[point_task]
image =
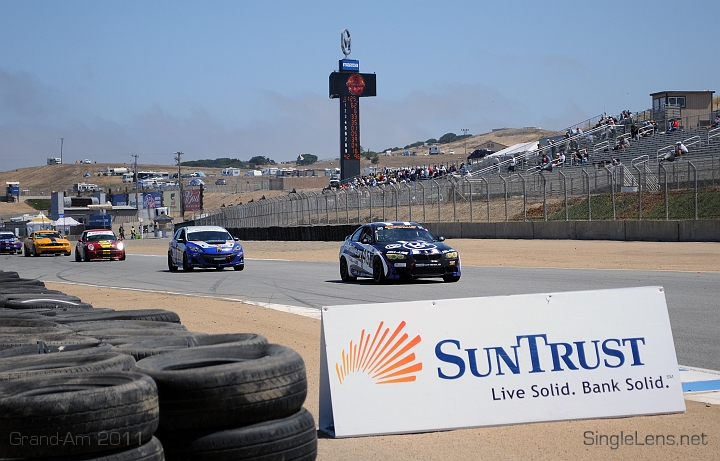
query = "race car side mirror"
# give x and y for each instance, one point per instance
(365, 240)
(441, 239)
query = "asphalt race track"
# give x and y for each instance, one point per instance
(692, 297)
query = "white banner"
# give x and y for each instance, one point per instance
(456, 363)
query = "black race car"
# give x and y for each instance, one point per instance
(397, 250)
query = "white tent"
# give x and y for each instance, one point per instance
(63, 225)
(39, 222)
(514, 150)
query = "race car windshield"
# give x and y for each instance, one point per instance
(98, 237)
(406, 234)
(49, 235)
(209, 236)
(7, 236)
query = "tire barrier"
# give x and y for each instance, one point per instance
(107, 380)
(90, 408)
(253, 344)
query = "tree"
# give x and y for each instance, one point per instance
(447, 137)
(375, 159)
(306, 159)
(261, 160)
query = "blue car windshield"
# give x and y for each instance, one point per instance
(406, 234)
(7, 236)
(209, 236)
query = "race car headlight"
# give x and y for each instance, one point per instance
(91, 247)
(120, 246)
(451, 255)
(194, 249)
(395, 256)
(237, 248)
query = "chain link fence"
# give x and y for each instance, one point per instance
(684, 189)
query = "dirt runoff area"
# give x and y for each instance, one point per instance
(543, 441)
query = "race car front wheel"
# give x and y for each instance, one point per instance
(171, 265)
(378, 271)
(77, 256)
(186, 266)
(345, 272)
(451, 278)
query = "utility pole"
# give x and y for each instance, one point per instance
(61, 145)
(135, 180)
(178, 155)
(465, 132)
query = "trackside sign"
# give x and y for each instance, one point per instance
(456, 363)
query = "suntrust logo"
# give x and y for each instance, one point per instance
(497, 360)
(386, 357)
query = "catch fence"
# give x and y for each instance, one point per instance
(684, 189)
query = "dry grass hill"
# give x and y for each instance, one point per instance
(42, 180)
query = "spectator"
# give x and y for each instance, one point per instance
(673, 125)
(616, 161)
(133, 235)
(561, 159)
(634, 132)
(716, 122)
(496, 164)
(622, 144)
(680, 149)
(121, 231)
(511, 166)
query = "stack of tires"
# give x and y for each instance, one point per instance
(82, 383)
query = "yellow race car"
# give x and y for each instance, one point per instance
(44, 242)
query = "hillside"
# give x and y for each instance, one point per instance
(42, 180)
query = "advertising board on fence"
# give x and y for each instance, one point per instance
(192, 199)
(456, 363)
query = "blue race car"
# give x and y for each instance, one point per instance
(395, 251)
(9, 243)
(204, 246)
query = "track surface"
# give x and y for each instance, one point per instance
(693, 298)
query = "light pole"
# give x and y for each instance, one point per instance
(465, 132)
(61, 146)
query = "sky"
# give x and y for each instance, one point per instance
(245, 78)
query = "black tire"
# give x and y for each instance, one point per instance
(46, 303)
(255, 345)
(345, 271)
(120, 324)
(378, 271)
(89, 406)
(86, 257)
(23, 349)
(156, 315)
(239, 268)
(77, 256)
(171, 265)
(291, 438)
(22, 282)
(451, 278)
(26, 252)
(109, 334)
(3, 300)
(186, 266)
(216, 387)
(8, 275)
(122, 258)
(34, 252)
(65, 363)
(47, 294)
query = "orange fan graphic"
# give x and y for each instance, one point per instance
(385, 357)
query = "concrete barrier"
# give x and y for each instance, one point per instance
(659, 231)
(652, 231)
